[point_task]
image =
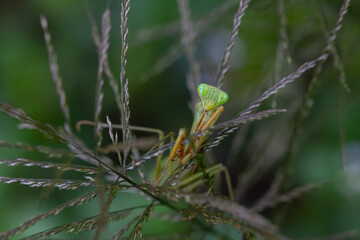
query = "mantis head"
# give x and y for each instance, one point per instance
(211, 97)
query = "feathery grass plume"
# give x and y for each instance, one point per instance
(138, 230)
(48, 151)
(225, 62)
(55, 211)
(221, 130)
(54, 69)
(30, 123)
(305, 106)
(114, 140)
(291, 77)
(63, 167)
(246, 220)
(339, 66)
(187, 39)
(124, 82)
(244, 228)
(327, 50)
(271, 91)
(60, 184)
(247, 118)
(272, 201)
(57, 175)
(86, 224)
(97, 40)
(124, 229)
(282, 83)
(102, 52)
(229, 207)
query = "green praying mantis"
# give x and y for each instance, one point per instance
(206, 112)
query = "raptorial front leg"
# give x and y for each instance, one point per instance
(177, 151)
(178, 148)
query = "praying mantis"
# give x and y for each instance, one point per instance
(207, 110)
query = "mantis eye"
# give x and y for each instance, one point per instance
(223, 98)
(203, 89)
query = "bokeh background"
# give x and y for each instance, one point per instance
(327, 148)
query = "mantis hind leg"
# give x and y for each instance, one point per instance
(192, 182)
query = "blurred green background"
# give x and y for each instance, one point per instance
(160, 100)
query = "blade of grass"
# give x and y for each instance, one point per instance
(124, 82)
(225, 62)
(54, 69)
(102, 52)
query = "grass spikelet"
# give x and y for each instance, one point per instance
(48, 151)
(248, 118)
(30, 123)
(249, 218)
(60, 184)
(54, 69)
(283, 82)
(225, 62)
(137, 231)
(63, 167)
(124, 82)
(221, 130)
(245, 229)
(114, 140)
(187, 38)
(124, 229)
(81, 226)
(55, 211)
(97, 40)
(102, 51)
